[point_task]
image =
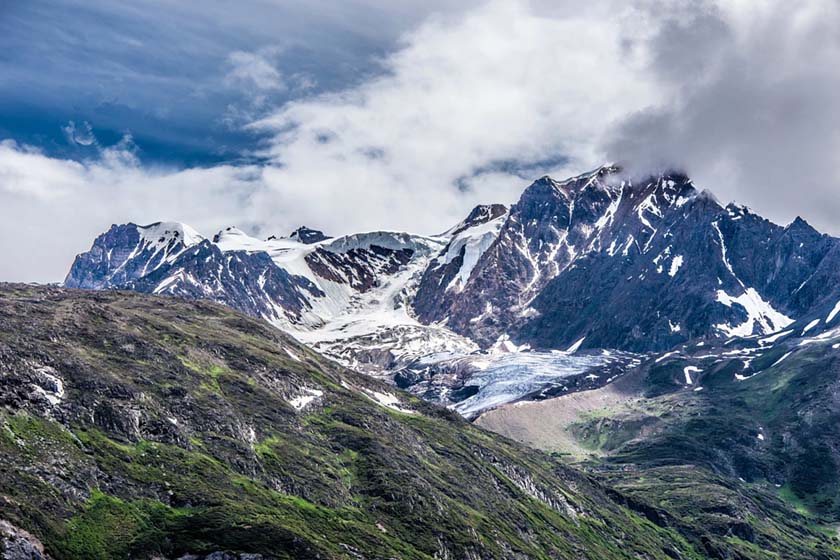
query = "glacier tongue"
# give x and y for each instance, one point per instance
(491, 380)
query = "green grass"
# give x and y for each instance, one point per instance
(242, 470)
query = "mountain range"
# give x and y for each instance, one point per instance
(598, 261)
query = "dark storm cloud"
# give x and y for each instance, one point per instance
(754, 113)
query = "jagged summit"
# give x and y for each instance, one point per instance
(800, 224)
(481, 214)
(307, 235)
(128, 251)
(573, 253)
(601, 172)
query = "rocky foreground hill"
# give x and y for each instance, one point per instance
(136, 426)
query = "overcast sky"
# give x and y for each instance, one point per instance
(356, 115)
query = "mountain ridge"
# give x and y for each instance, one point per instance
(554, 272)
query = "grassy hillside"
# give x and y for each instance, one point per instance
(137, 427)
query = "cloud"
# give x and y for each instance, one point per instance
(752, 111)
(82, 136)
(472, 105)
(416, 146)
(52, 209)
(158, 67)
(742, 95)
(254, 70)
(260, 85)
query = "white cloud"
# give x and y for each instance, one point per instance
(82, 135)
(52, 209)
(742, 94)
(254, 70)
(503, 83)
(753, 112)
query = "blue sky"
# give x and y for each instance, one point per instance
(353, 115)
(159, 70)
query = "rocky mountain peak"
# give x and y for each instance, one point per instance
(126, 252)
(481, 214)
(307, 235)
(800, 225)
(555, 269)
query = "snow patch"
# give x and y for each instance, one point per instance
(780, 360)
(760, 315)
(810, 326)
(504, 345)
(833, 313)
(773, 338)
(676, 263)
(49, 384)
(299, 403)
(576, 346)
(687, 371)
(387, 400)
(665, 356)
(474, 242)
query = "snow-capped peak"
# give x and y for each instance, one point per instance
(234, 239)
(307, 235)
(393, 240)
(161, 233)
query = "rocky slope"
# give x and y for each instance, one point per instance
(134, 426)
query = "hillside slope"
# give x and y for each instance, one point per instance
(135, 426)
(717, 433)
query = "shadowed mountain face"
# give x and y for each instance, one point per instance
(635, 265)
(138, 426)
